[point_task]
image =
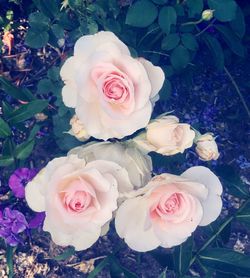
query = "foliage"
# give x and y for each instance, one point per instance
(171, 33)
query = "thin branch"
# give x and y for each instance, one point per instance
(237, 90)
(147, 34)
(156, 52)
(205, 29)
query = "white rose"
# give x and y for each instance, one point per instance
(167, 210)
(113, 94)
(78, 198)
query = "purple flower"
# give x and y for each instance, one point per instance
(19, 179)
(37, 220)
(12, 223)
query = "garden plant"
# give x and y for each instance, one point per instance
(124, 140)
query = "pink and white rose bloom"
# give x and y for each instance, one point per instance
(77, 197)
(166, 136)
(113, 94)
(169, 208)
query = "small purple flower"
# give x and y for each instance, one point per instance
(12, 223)
(37, 221)
(19, 179)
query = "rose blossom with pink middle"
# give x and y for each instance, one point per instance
(112, 93)
(168, 209)
(78, 198)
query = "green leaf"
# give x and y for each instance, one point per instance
(66, 254)
(7, 147)
(6, 160)
(54, 73)
(141, 14)
(45, 86)
(17, 93)
(9, 15)
(195, 7)
(163, 274)
(33, 132)
(5, 130)
(232, 181)
(180, 57)
(27, 111)
(160, 2)
(57, 30)
(167, 17)
(24, 150)
(7, 109)
(39, 22)
(231, 40)
(225, 10)
(238, 24)
(36, 39)
(226, 260)
(9, 257)
(244, 216)
(116, 270)
(183, 256)
(99, 268)
(48, 8)
(93, 27)
(215, 49)
(189, 41)
(170, 41)
(166, 90)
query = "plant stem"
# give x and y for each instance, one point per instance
(212, 238)
(205, 29)
(147, 34)
(156, 52)
(192, 22)
(237, 90)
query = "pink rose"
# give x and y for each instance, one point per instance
(113, 94)
(167, 210)
(78, 198)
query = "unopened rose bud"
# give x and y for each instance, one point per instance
(166, 136)
(207, 148)
(207, 15)
(77, 129)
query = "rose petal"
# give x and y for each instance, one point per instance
(155, 75)
(212, 205)
(130, 224)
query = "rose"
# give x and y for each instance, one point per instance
(127, 155)
(77, 197)
(113, 94)
(169, 209)
(207, 148)
(166, 136)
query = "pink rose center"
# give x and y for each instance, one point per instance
(169, 205)
(115, 88)
(166, 206)
(79, 201)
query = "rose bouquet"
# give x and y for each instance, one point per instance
(113, 96)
